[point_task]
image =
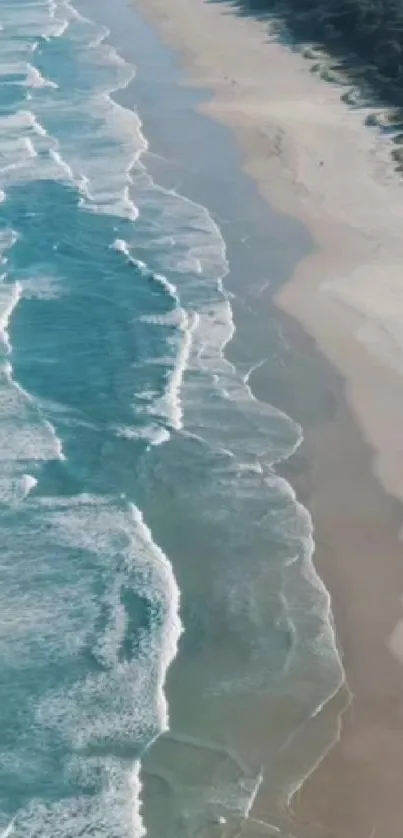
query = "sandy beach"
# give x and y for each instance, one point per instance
(314, 158)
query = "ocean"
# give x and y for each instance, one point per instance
(159, 605)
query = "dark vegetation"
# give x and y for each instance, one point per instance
(364, 37)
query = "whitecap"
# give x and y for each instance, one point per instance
(125, 701)
(27, 152)
(103, 158)
(8, 829)
(28, 484)
(114, 811)
(9, 298)
(170, 404)
(122, 246)
(41, 287)
(35, 79)
(154, 434)
(25, 433)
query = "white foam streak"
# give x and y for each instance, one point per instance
(28, 152)
(34, 437)
(170, 405)
(122, 701)
(25, 434)
(99, 149)
(27, 142)
(123, 247)
(35, 79)
(154, 434)
(259, 434)
(173, 627)
(57, 157)
(104, 184)
(29, 483)
(8, 830)
(138, 829)
(12, 296)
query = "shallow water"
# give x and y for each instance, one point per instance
(139, 506)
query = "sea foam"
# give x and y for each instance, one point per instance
(82, 137)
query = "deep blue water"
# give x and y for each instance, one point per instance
(137, 493)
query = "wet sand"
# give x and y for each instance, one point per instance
(356, 791)
(314, 158)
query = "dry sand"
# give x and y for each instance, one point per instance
(313, 157)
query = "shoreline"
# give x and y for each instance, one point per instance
(335, 178)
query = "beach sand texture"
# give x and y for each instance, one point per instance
(313, 157)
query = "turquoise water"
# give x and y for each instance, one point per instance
(142, 522)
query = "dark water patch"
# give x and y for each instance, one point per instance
(82, 347)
